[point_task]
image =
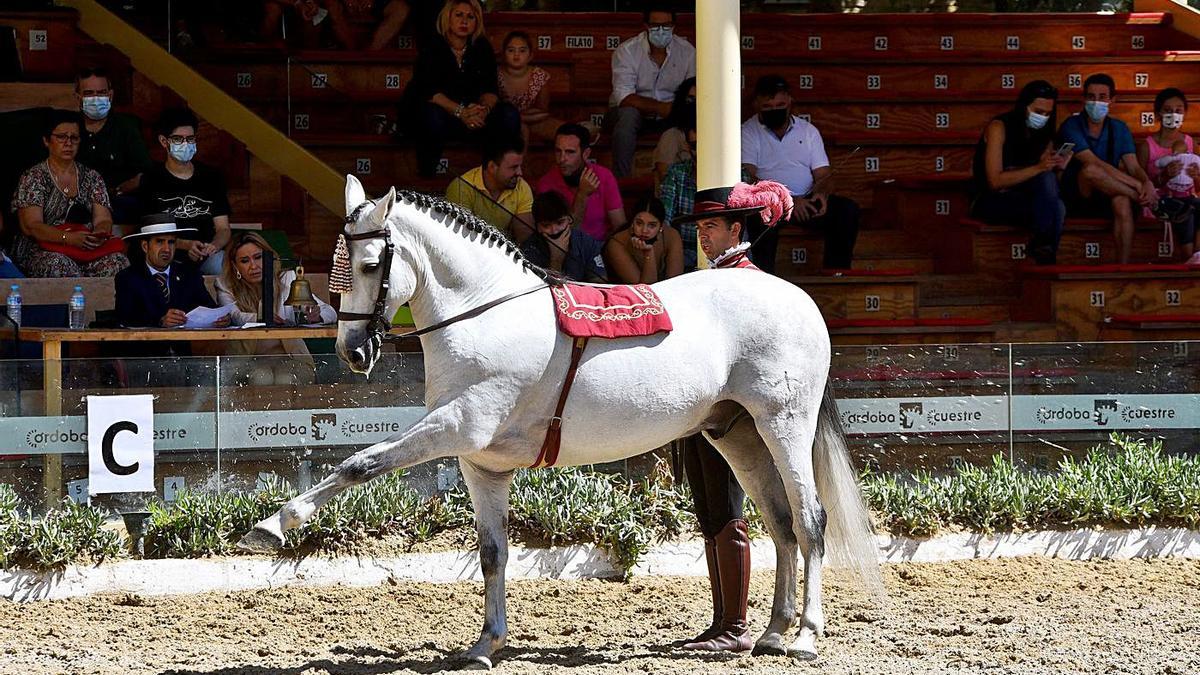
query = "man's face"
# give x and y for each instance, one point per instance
(1097, 92)
(717, 235)
(568, 156)
(92, 86)
(781, 100)
(508, 172)
(159, 250)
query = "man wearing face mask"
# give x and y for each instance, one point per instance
(111, 143)
(1106, 180)
(781, 147)
(646, 71)
(192, 193)
(559, 246)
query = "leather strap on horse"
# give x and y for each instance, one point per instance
(549, 454)
(470, 313)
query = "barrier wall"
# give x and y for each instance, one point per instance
(233, 423)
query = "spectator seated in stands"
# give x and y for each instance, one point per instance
(647, 251)
(1013, 180)
(1167, 156)
(192, 193)
(453, 93)
(1105, 180)
(313, 16)
(111, 143)
(558, 245)
(674, 145)
(526, 87)
(8, 270)
(589, 188)
(496, 191)
(646, 71)
(63, 210)
(781, 147)
(157, 291)
(241, 284)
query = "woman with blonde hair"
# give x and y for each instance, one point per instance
(241, 284)
(454, 93)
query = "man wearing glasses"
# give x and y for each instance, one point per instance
(191, 193)
(646, 71)
(111, 143)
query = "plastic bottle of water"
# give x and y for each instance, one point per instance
(14, 304)
(76, 314)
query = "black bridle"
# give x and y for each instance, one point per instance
(379, 326)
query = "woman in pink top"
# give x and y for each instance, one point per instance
(525, 86)
(1170, 106)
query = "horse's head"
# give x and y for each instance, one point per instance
(371, 274)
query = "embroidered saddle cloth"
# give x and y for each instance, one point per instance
(609, 311)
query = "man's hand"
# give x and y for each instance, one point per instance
(806, 208)
(174, 318)
(821, 201)
(129, 185)
(663, 109)
(222, 322)
(199, 251)
(589, 182)
(1148, 194)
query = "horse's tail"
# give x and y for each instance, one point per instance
(849, 534)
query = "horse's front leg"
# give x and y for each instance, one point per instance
(439, 433)
(489, 495)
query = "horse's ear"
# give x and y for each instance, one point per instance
(355, 194)
(384, 207)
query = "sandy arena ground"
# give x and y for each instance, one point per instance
(1027, 616)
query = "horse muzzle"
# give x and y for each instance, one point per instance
(362, 359)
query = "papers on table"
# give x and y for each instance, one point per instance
(205, 317)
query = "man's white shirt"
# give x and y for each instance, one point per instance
(634, 72)
(790, 160)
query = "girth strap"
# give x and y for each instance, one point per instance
(549, 454)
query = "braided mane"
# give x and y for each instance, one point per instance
(472, 224)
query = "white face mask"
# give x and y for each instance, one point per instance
(660, 36)
(1172, 120)
(1036, 120)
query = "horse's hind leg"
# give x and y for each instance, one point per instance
(489, 495)
(789, 434)
(755, 469)
(437, 434)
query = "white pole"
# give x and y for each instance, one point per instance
(719, 93)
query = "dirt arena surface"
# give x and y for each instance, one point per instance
(1027, 615)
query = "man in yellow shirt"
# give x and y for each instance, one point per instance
(495, 191)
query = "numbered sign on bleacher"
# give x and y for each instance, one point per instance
(443, 167)
(941, 81)
(872, 165)
(580, 42)
(939, 164)
(874, 121)
(1179, 349)
(1141, 80)
(1008, 81)
(245, 80)
(1012, 43)
(941, 207)
(391, 81)
(946, 43)
(543, 42)
(1174, 297)
(872, 303)
(1078, 42)
(874, 82)
(319, 80)
(1096, 298)
(881, 43)
(405, 42)
(1164, 249)
(804, 82)
(1147, 118)
(300, 121)
(814, 43)
(120, 443)
(38, 41)
(1091, 250)
(1137, 42)
(611, 42)
(799, 256)
(1074, 81)
(748, 42)
(362, 166)
(941, 120)
(1018, 251)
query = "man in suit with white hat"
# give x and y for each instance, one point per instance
(160, 292)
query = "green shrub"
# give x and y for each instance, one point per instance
(71, 533)
(1128, 483)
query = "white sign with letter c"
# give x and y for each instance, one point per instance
(120, 444)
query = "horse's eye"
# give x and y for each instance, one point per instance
(370, 267)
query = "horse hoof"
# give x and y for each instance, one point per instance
(476, 663)
(769, 647)
(259, 541)
(802, 654)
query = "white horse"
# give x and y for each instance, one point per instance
(743, 342)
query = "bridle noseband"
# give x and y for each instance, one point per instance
(379, 326)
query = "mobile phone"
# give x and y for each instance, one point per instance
(1065, 149)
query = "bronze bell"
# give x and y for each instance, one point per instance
(300, 293)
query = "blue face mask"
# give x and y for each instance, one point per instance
(660, 36)
(1036, 120)
(1096, 110)
(182, 152)
(96, 107)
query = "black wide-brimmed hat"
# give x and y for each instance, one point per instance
(769, 200)
(158, 223)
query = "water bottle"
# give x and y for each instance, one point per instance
(14, 304)
(75, 316)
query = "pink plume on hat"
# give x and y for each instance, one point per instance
(773, 198)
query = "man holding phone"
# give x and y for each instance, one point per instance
(782, 147)
(1106, 179)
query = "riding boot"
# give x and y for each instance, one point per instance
(733, 567)
(714, 581)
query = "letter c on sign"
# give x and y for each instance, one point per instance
(110, 462)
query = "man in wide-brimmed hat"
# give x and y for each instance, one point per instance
(159, 292)
(722, 216)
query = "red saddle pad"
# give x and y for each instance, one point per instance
(609, 311)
